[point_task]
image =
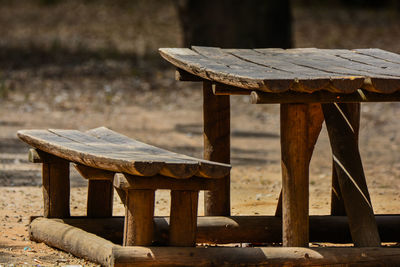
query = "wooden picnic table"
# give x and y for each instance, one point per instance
(312, 85)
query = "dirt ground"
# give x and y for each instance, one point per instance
(96, 65)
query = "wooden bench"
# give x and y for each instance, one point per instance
(139, 169)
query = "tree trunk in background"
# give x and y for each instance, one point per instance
(236, 23)
(230, 24)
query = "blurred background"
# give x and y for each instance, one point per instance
(83, 64)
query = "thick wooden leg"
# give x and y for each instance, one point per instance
(139, 213)
(300, 127)
(351, 177)
(352, 112)
(183, 219)
(216, 112)
(100, 198)
(56, 186)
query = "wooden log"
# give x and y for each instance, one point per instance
(223, 89)
(239, 229)
(183, 220)
(300, 128)
(139, 212)
(256, 256)
(101, 251)
(351, 177)
(184, 76)
(258, 97)
(127, 182)
(100, 198)
(216, 114)
(352, 112)
(74, 240)
(56, 187)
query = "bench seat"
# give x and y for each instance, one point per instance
(139, 169)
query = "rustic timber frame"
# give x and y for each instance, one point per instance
(312, 86)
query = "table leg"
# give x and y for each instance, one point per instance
(351, 177)
(300, 128)
(216, 115)
(352, 112)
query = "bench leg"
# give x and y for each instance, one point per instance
(56, 186)
(216, 114)
(351, 177)
(183, 219)
(100, 198)
(139, 213)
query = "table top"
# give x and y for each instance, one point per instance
(304, 70)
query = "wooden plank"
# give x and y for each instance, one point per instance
(351, 177)
(127, 182)
(208, 69)
(173, 166)
(56, 187)
(144, 160)
(89, 155)
(183, 219)
(299, 132)
(274, 80)
(216, 116)
(139, 212)
(309, 76)
(258, 97)
(207, 169)
(381, 54)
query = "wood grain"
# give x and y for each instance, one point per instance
(139, 212)
(56, 187)
(183, 218)
(304, 70)
(351, 177)
(216, 116)
(107, 150)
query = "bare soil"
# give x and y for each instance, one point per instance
(83, 64)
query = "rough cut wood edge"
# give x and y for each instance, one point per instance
(258, 97)
(238, 229)
(184, 76)
(101, 251)
(74, 240)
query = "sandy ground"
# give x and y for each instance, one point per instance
(142, 100)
